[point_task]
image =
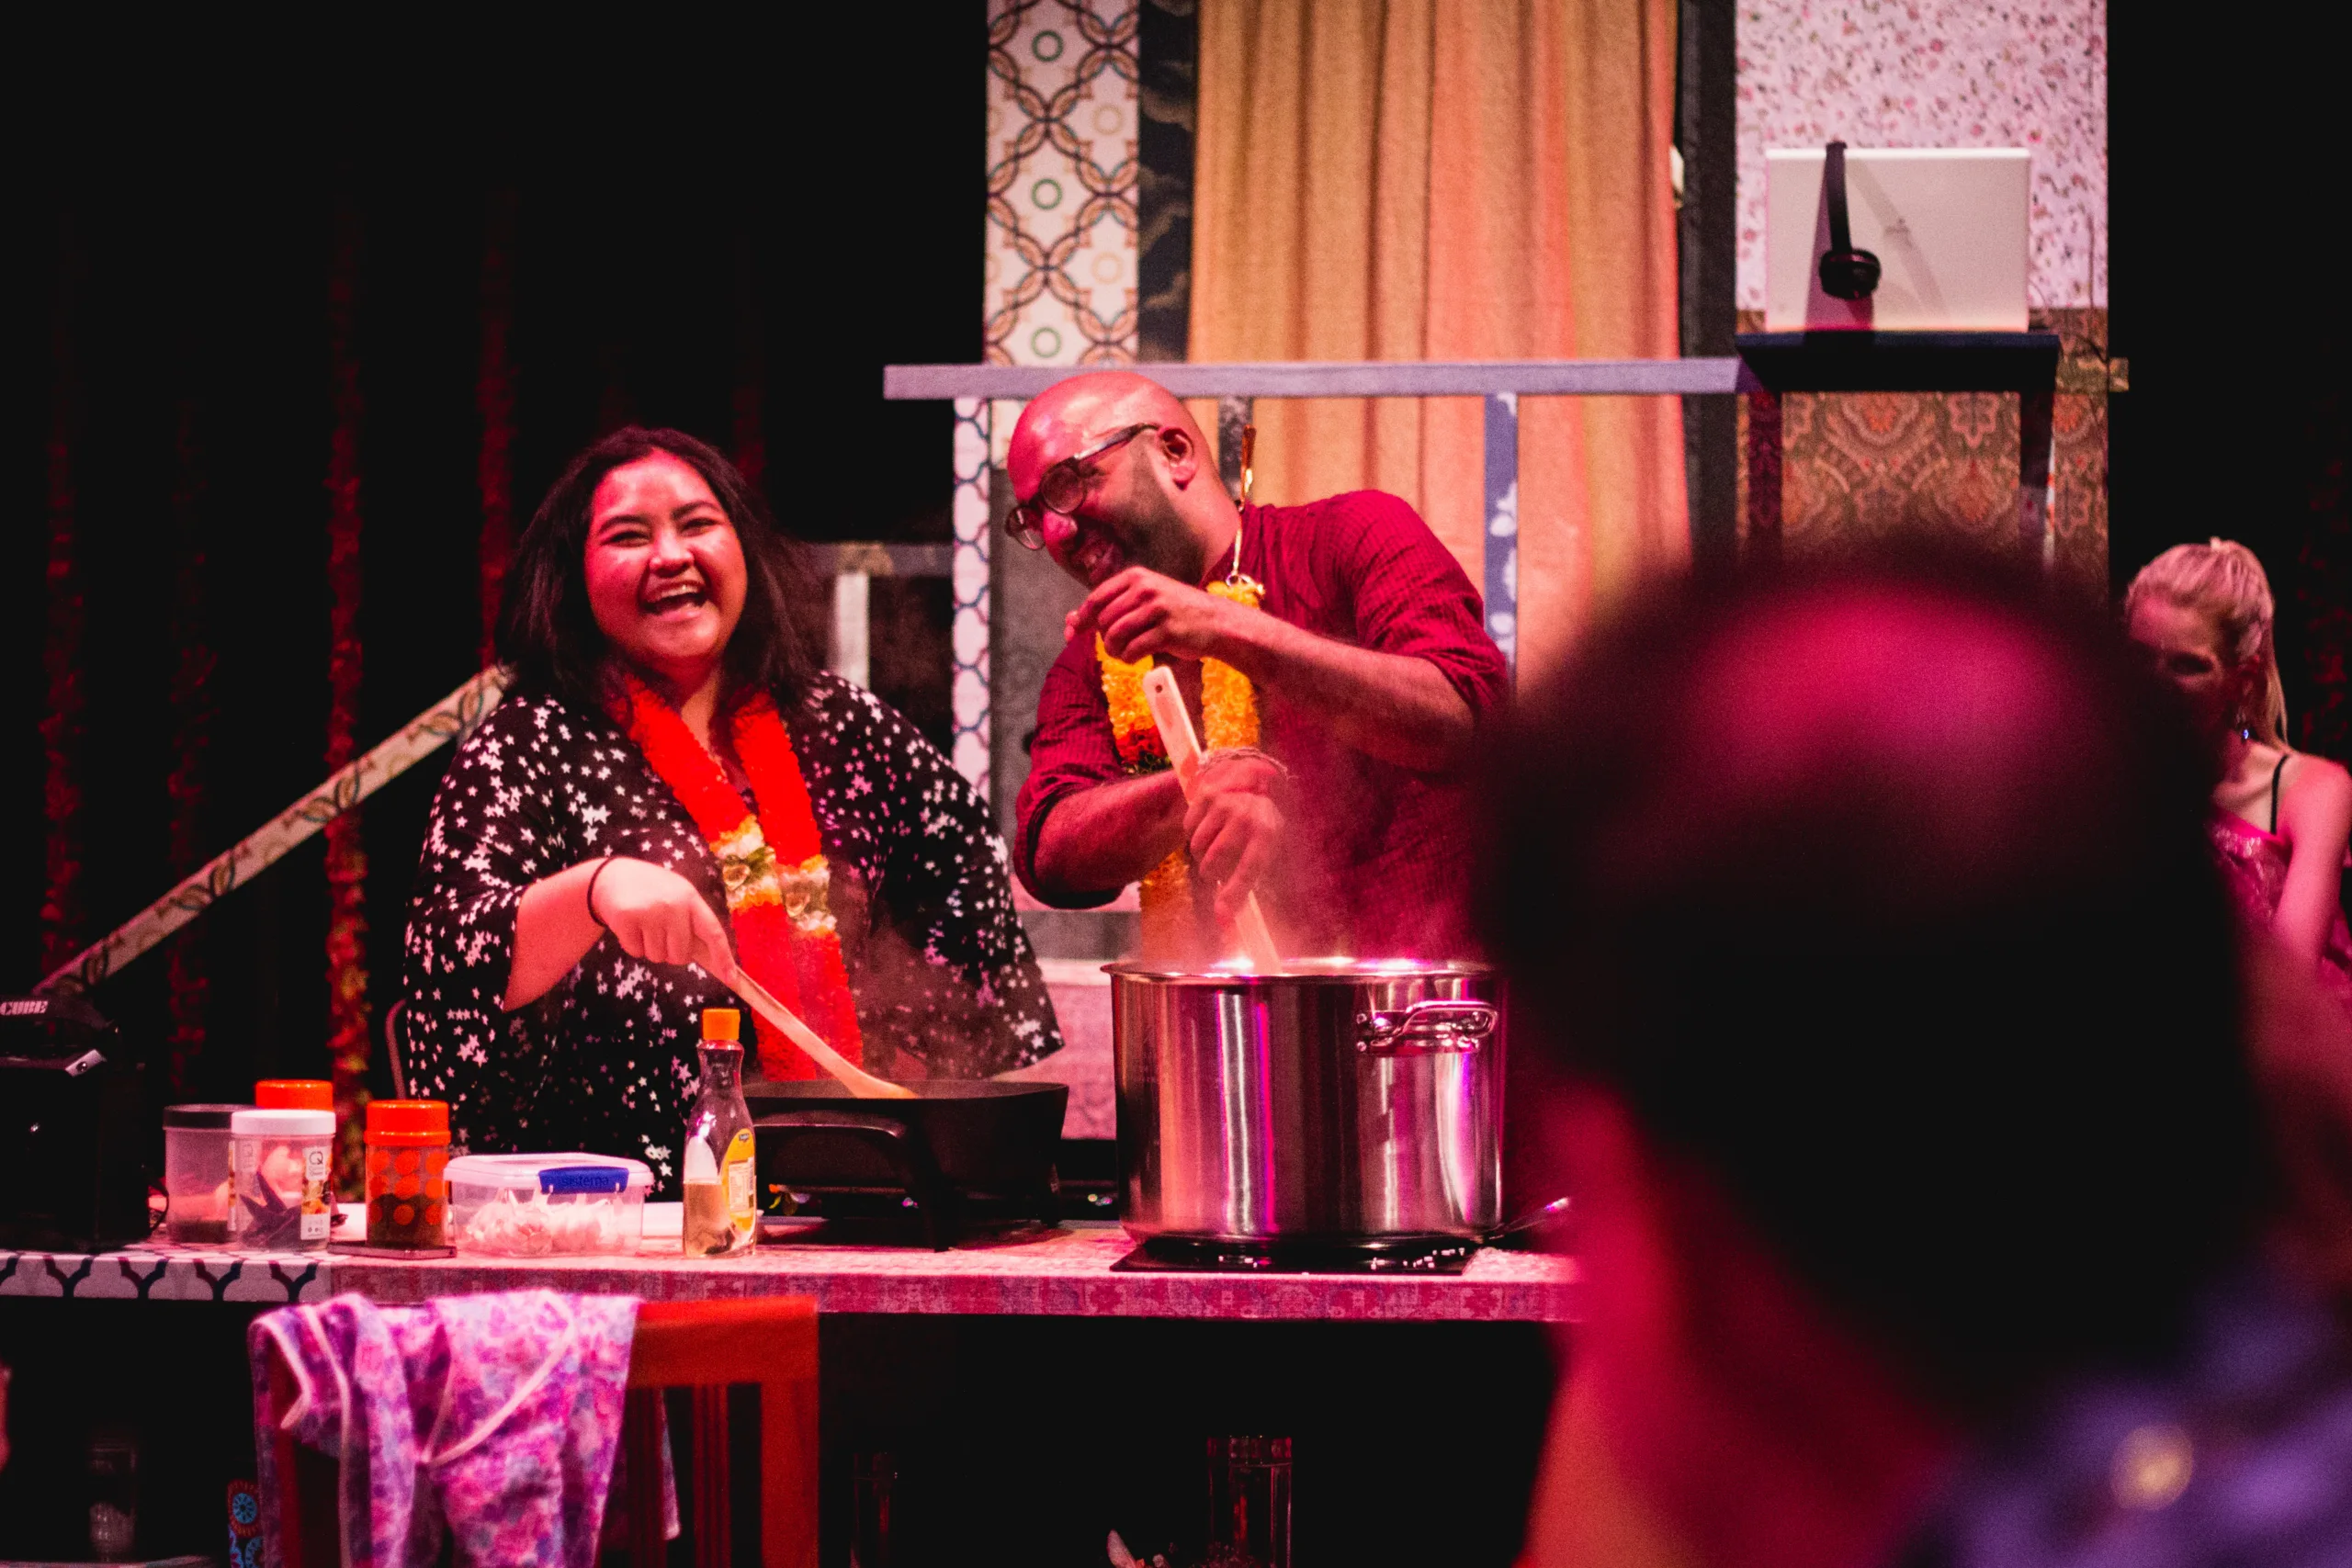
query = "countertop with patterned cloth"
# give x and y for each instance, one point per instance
(1064, 1271)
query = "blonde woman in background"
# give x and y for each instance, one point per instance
(2280, 817)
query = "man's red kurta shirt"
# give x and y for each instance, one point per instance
(1377, 859)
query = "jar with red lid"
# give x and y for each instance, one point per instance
(294, 1094)
(408, 1157)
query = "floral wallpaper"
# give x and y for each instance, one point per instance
(1937, 73)
(1942, 74)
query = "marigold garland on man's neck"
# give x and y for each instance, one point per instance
(1229, 717)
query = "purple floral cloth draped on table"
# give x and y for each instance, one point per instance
(496, 1417)
(2253, 866)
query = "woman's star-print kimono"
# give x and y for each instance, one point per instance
(946, 984)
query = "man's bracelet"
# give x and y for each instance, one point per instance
(1223, 753)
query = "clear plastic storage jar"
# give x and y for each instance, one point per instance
(546, 1206)
(198, 1174)
(408, 1156)
(281, 1159)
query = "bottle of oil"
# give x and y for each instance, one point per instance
(721, 1213)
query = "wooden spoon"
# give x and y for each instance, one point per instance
(864, 1085)
(1170, 716)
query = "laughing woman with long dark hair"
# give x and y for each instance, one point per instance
(673, 789)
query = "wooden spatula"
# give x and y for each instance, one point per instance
(1175, 726)
(864, 1085)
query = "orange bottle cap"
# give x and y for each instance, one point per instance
(408, 1122)
(722, 1023)
(294, 1094)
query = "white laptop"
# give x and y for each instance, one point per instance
(1947, 226)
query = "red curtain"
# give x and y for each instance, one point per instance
(346, 945)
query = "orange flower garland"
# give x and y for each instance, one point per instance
(1229, 717)
(777, 888)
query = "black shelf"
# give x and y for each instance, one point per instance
(1900, 362)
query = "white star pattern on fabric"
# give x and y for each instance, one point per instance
(941, 969)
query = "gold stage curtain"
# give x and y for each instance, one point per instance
(1453, 179)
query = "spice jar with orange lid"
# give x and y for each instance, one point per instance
(294, 1094)
(408, 1159)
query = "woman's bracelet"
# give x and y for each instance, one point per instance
(602, 866)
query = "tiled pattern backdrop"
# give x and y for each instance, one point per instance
(1059, 269)
(1943, 73)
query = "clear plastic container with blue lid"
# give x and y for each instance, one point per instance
(548, 1205)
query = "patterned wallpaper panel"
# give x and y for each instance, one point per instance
(1060, 268)
(1059, 287)
(1860, 465)
(1937, 73)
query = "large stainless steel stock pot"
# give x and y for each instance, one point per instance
(1333, 1101)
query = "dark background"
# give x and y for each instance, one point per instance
(2227, 147)
(689, 246)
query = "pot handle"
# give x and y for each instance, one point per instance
(1426, 1029)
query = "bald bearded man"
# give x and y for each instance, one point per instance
(1367, 660)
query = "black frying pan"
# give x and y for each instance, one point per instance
(955, 1139)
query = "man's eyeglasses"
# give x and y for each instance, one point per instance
(1064, 489)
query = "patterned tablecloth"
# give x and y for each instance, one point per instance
(171, 1274)
(1064, 1271)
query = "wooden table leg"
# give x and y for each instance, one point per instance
(1764, 457)
(2035, 412)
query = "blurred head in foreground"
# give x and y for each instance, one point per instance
(1865, 924)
